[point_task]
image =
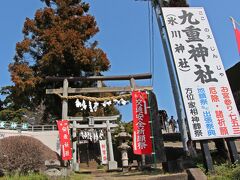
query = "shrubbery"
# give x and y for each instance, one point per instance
(226, 172)
(23, 154)
(26, 177)
(236, 173)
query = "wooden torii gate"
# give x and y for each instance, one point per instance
(66, 90)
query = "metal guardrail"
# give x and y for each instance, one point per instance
(38, 128)
(32, 128)
(42, 128)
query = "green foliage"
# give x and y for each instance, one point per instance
(27, 177)
(129, 127)
(236, 173)
(12, 115)
(100, 166)
(1, 105)
(225, 172)
(218, 178)
(38, 176)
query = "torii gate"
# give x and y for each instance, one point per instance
(106, 123)
(65, 90)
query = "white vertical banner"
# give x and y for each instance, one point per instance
(103, 149)
(208, 100)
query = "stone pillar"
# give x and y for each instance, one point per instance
(123, 147)
(124, 158)
(112, 165)
(75, 163)
(65, 101)
(143, 160)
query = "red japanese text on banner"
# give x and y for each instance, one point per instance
(64, 137)
(142, 143)
(103, 149)
(237, 34)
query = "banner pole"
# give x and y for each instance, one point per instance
(174, 81)
(151, 121)
(233, 22)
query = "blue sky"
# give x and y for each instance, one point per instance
(124, 36)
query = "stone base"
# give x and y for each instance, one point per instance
(196, 173)
(76, 167)
(112, 165)
(125, 169)
(65, 171)
(53, 172)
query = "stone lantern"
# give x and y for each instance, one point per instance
(123, 138)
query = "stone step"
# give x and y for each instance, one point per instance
(172, 137)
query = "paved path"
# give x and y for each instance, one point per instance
(98, 175)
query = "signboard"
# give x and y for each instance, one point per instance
(142, 143)
(208, 100)
(103, 149)
(64, 137)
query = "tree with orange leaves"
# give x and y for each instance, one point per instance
(57, 42)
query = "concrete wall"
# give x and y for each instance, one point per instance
(49, 138)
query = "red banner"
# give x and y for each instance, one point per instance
(64, 137)
(142, 143)
(237, 34)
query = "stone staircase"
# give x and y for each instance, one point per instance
(176, 158)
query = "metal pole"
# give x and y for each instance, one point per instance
(180, 113)
(153, 139)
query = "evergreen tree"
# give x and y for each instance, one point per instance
(57, 42)
(1, 105)
(174, 3)
(178, 3)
